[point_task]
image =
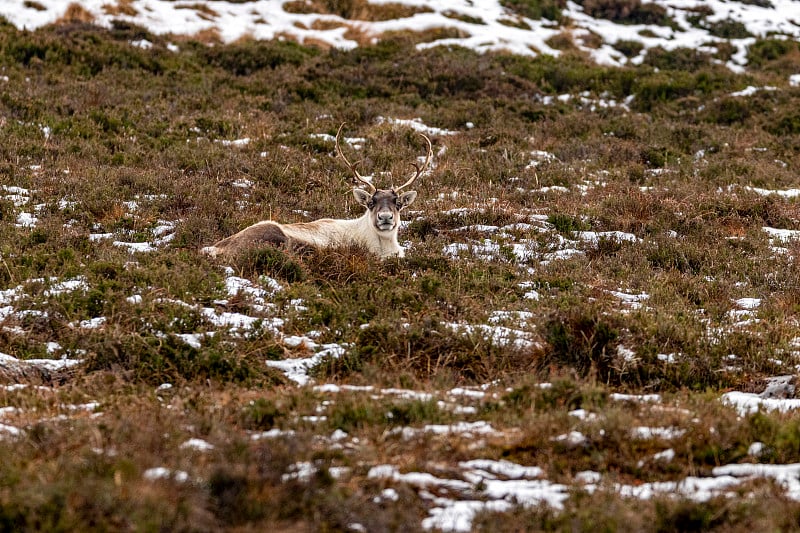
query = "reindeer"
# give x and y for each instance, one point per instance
(375, 230)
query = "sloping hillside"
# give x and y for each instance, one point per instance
(594, 327)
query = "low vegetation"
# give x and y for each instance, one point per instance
(585, 232)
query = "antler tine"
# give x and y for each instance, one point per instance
(349, 165)
(420, 169)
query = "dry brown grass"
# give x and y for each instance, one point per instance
(122, 7)
(31, 4)
(210, 36)
(75, 13)
(325, 25)
(203, 11)
(355, 9)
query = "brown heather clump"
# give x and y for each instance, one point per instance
(122, 7)
(32, 4)
(355, 9)
(75, 13)
(626, 11)
(203, 11)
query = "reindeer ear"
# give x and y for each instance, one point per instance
(406, 199)
(362, 196)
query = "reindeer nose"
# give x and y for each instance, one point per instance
(385, 217)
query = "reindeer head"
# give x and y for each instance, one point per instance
(384, 205)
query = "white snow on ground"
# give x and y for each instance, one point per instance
(26, 220)
(55, 287)
(17, 195)
(699, 489)
(297, 369)
(497, 335)
(785, 193)
(453, 401)
(780, 238)
(782, 235)
(746, 403)
(417, 125)
(160, 473)
(573, 439)
(161, 237)
(492, 26)
(539, 157)
(633, 301)
(197, 444)
(235, 142)
(12, 306)
(595, 236)
(92, 323)
(748, 303)
(788, 476)
(488, 485)
(645, 433)
(525, 250)
(465, 429)
(639, 398)
(750, 90)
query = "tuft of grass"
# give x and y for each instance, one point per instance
(536, 9)
(566, 224)
(355, 9)
(627, 11)
(166, 359)
(583, 341)
(764, 51)
(246, 58)
(269, 261)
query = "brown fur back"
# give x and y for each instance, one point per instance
(251, 237)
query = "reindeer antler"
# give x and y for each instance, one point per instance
(420, 169)
(349, 165)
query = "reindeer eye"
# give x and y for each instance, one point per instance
(370, 204)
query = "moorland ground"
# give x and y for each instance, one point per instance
(630, 237)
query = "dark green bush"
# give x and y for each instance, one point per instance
(566, 224)
(626, 11)
(686, 515)
(248, 57)
(270, 261)
(729, 110)
(536, 9)
(678, 59)
(670, 255)
(629, 48)
(765, 50)
(660, 88)
(729, 29)
(583, 341)
(157, 360)
(261, 414)
(787, 123)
